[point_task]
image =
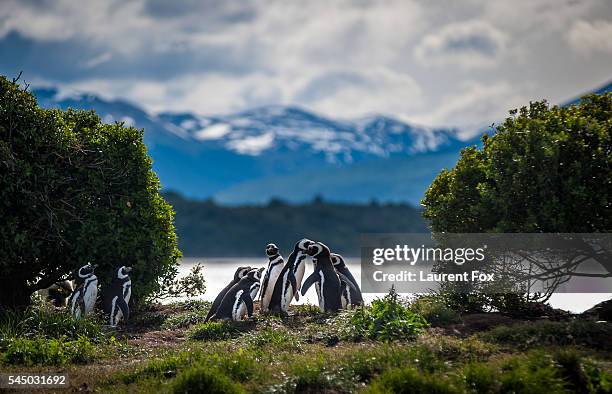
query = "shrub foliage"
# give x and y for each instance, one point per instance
(74, 190)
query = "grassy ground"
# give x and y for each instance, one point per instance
(168, 349)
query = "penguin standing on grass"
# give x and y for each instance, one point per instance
(325, 275)
(275, 266)
(83, 299)
(299, 267)
(117, 296)
(240, 273)
(287, 284)
(351, 295)
(238, 301)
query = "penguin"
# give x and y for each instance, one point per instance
(58, 293)
(287, 286)
(239, 274)
(275, 266)
(238, 301)
(83, 298)
(325, 275)
(117, 296)
(351, 295)
(300, 263)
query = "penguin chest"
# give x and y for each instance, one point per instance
(127, 291)
(288, 292)
(299, 272)
(90, 294)
(320, 285)
(254, 289)
(273, 275)
(239, 308)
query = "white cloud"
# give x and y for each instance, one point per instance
(588, 37)
(475, 105)
(252, 145)
(213, 132)
(343, 58)
(470, 44)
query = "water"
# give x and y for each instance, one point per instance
(219, 271)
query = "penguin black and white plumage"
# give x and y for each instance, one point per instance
(117, 296)
(326, 276)
(299, 267)
(239, 274)
(287, 284)
(275, 266)
(238, 301)
(83, 298)
(58, 293)
(351, 295)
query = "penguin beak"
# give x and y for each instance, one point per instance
(261, 269)
(128, 269)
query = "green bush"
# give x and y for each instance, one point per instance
(385, 319)
(540, 333)
(74, 190)
(435, 310)
(201, 379)
(409, 380)
(193, 312)
(43, 351)
(213, 331)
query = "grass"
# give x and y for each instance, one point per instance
(47, 322)
(43, 351)
(386, 319)
(576, 332)
(309, 352)
(213, 331)
(192, 312)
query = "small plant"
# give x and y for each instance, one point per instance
(409, 380)
(213, 331)
(435, 310)
(313, 376)
(386, 319)
(201, 379)
(279, 339)
(42, 351)
(46, 321)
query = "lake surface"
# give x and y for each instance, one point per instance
(219, 271)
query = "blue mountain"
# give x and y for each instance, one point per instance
(283, 152)
(275, 151)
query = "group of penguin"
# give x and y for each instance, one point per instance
(84, 296)
(335, 285)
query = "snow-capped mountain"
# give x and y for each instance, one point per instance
(213, 156)
(277, 128)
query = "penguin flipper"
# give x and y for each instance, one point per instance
(347, 281)
(125, 309)
(309, 282)
(248, 301)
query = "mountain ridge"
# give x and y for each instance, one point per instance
(283, 152)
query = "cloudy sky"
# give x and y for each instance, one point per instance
(453, 63)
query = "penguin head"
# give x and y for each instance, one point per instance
(271, 250)
(87, 270)
(123, 271)
(303, 244)
(337, 260)
(255, 274)
(317, 248)
(241, 272)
